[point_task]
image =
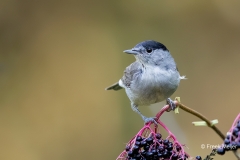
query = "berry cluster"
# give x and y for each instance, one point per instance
(232, 140)
(148, 144)
(154, 148)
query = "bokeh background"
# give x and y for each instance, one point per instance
(56, 58)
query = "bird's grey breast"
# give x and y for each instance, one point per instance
(152, 85)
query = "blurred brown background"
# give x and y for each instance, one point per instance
(56, 58)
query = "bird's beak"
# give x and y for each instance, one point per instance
(131, 51)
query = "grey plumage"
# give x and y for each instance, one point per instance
(152, 78)
(130, 74)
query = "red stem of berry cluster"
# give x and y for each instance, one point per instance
(235, 122)
(147, 127)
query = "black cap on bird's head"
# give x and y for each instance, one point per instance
(152, 44)
(150, 52)
(149, 46)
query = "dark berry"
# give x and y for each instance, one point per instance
(226, 141)
(155, 157)
(227, 147)
(161, 148)
(221, 151)
(143, 153)
(160, 141)
(170, 153)
(234, 146)
(165, 142)
(154, 151)
(235, 131)
(146, 148)
(130, 153)
(169, 147)
(137, 143)
(228, 137)
(127, 148)
(149, 140)
(158, 136)
(238, 126)
(178, 148)
(137, 156)
(143, 143)
(160, 155)
(165, 154)
(149, 154)
(175, 156)
(138, 138)
(135, 148)
(198, 158)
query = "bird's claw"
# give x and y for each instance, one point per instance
(171, 104)
(150, 119)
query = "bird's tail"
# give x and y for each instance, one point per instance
(115, 87)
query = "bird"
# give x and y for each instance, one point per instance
(152, 78)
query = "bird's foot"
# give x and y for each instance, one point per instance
(149, 119)
(171, 104)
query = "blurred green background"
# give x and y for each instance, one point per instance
(56, 58)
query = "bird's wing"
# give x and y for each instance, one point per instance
(131, 73)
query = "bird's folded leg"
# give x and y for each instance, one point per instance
(145, 119)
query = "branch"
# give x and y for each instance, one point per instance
(202, 117)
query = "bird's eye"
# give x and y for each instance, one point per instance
(149, 50)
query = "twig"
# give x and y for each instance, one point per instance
(202, 117)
